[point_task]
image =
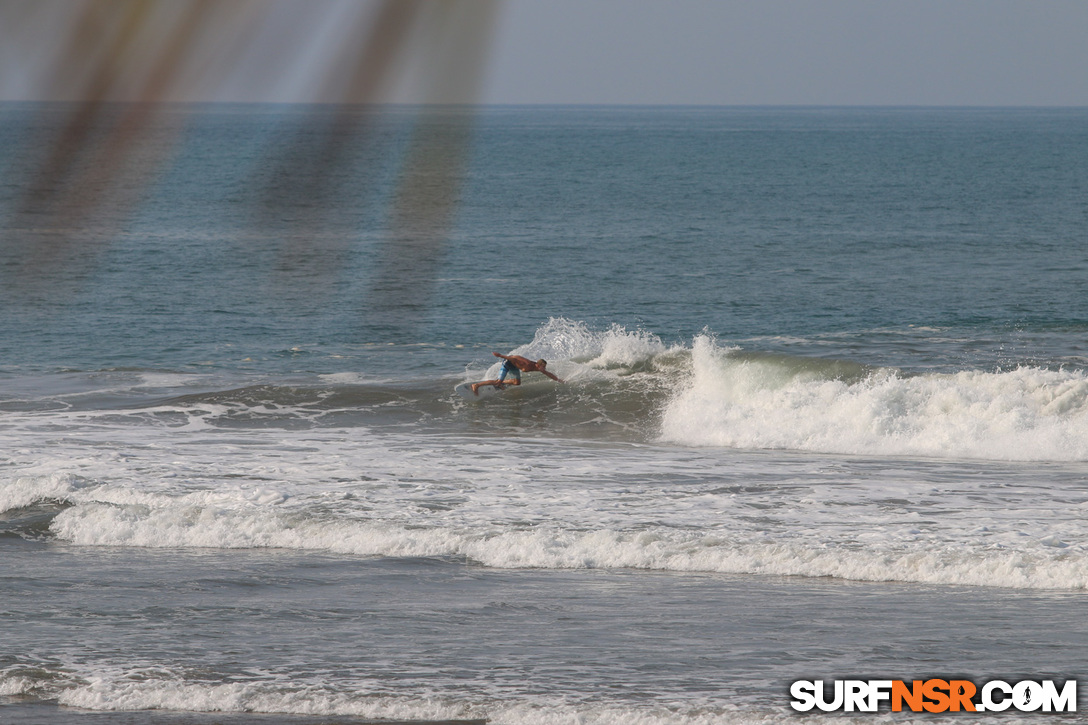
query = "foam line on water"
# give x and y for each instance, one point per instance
(508, 504)
(188, 525)
(135, 689)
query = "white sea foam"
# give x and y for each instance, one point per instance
(1026, 414)
(117, 694)
(549, 504)
(23, 491)
(655, 549)
(10, 686)
(143, 693)
(156, 690)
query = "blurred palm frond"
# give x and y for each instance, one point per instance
(118, 65)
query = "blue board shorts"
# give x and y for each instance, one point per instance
(509, 368)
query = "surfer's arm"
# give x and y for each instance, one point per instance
(553, 377)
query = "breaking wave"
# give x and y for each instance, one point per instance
(265, 518)
(708, 394)
(162, 689)
(743, 401)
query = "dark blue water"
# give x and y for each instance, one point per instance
(748, 222)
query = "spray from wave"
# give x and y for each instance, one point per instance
(708, 394)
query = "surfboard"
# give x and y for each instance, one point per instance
(486, 391)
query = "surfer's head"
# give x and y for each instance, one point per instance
(542, 363)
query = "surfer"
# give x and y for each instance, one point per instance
(514, 366)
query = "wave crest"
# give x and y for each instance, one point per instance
(748, 402)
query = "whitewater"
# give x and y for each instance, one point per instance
(675, 466)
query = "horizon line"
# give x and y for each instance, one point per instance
(547, 104)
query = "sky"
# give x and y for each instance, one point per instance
(792, 52)
(703, 52)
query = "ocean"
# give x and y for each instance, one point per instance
(824, 411)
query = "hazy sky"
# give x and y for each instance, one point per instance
(718, 52)
(822, 52)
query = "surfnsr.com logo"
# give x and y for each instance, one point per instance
(934, 695)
